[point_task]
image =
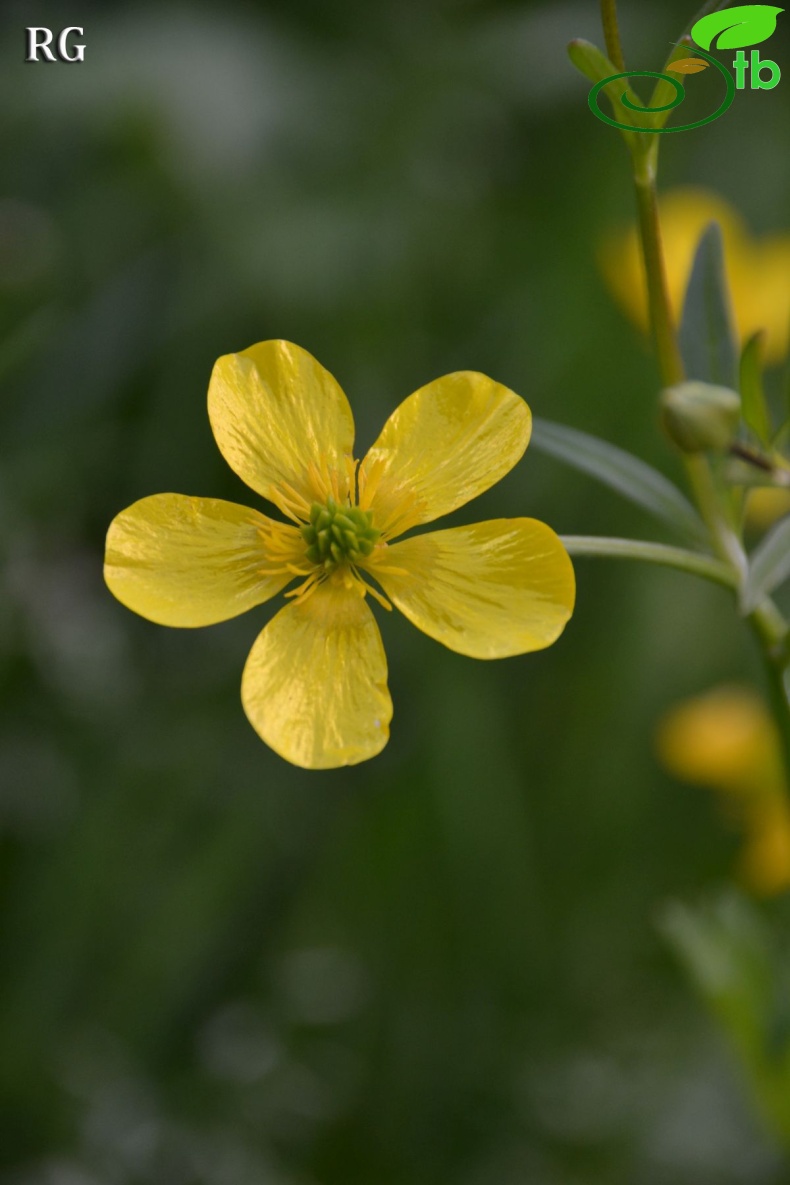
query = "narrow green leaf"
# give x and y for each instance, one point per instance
(622, 472)
(725, 949)
(753, 401)
(590, 61)
(706, 336)
(593, 63)
(732, 959)
(748, 24)
(769, 566)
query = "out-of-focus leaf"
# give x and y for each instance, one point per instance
(752, 474)
(728, 953)
(724, 949)
(622, 472)
(706, 337)
(753, 401)
(769, 566)
(688, 66)
(734, 28)
(590, 61)
(594, 64)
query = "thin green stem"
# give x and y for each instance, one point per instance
(653, 553)
(767, 623)
(726, 541)
(772, 637)
(670, 363)
(611, 32)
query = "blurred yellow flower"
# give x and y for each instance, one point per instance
(727, 741)
(766, 504)
(315, 683)
(758, 270)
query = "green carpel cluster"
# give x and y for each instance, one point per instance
(338, 535)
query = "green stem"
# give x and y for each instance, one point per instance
(725, 539)
(652, 553)
(611, 32)
(670, 362)
(772, 637)
(767, 623)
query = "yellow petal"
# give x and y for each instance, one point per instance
(445, 444)
(724, 739)
(764, 864)
(760, 280)
(195, 561)
(765, 505)
(315, 684)
(490, 590)
(283, 424)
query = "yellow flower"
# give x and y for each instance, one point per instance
(758, 270)
(726, 740)
(765, 505)
(315, 684)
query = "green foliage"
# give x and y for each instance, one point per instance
(729, 952)
(594, 64)
(755, 406)
(706, 333)
(769, 566)
(621, 471)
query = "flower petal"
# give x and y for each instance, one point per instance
(725, 739)
(315, 684)
(283, 424)
(444, 445)
(194, 561)
(489, 590)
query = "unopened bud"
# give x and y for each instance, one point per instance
(699, 417)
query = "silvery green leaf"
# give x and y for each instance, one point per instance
(725, 948)
(706, 337)
(769, 566)
(621, 471)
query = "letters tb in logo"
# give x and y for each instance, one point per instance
(39, 40)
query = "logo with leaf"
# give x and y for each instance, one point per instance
(688, 66)
(732, 28)
(735, 28)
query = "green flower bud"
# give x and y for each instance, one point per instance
(700, 417)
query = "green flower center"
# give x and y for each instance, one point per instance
(339, 535)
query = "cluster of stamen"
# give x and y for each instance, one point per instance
(338, 534)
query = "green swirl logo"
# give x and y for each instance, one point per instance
(733, 28)
(680, 95)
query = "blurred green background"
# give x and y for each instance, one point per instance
(440, 967)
